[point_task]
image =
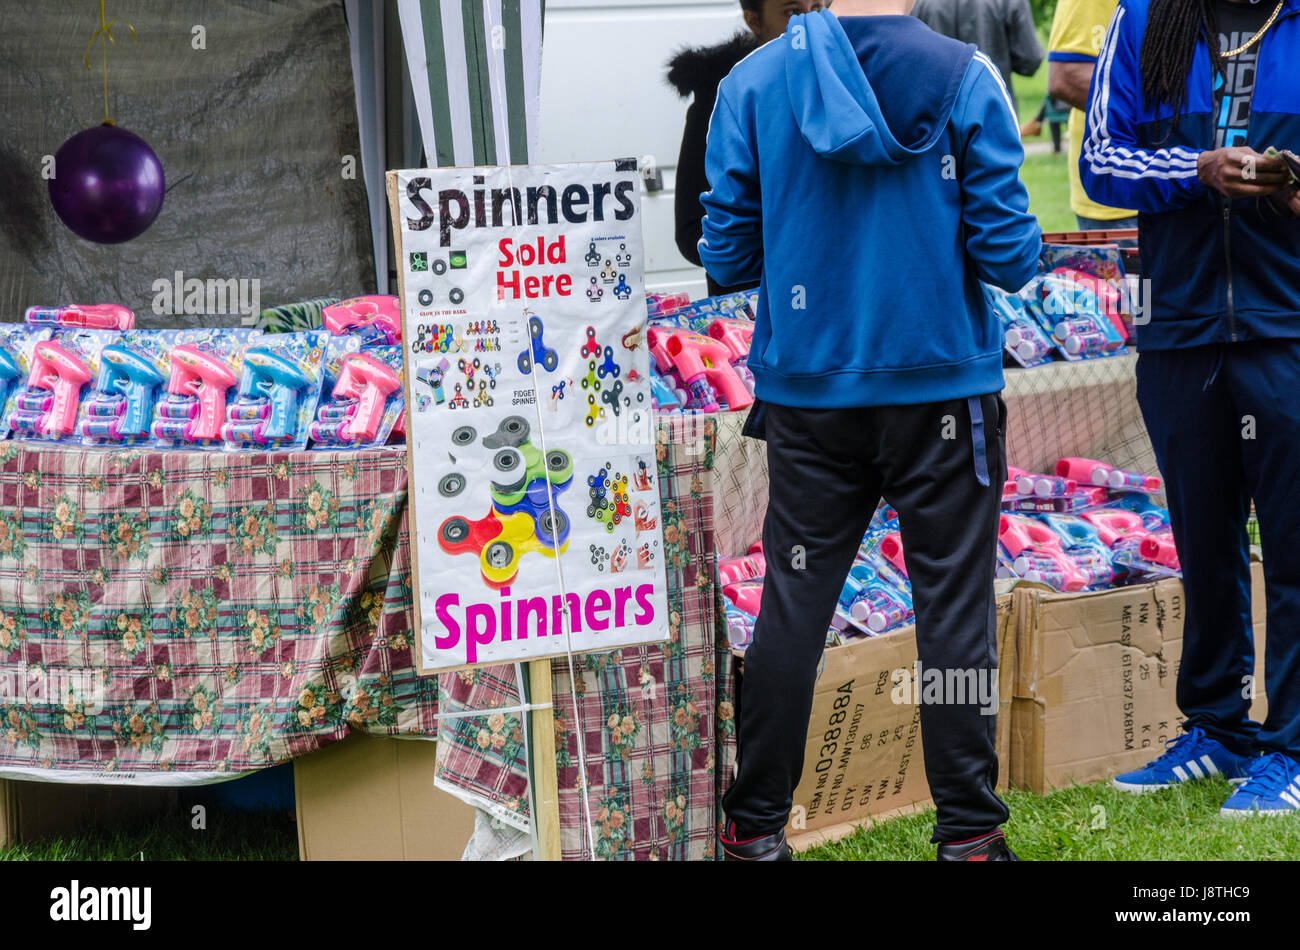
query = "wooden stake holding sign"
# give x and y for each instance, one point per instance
(533, 488)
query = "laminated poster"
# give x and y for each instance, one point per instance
(534, 496)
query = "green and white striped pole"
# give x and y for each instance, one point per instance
(476, 69)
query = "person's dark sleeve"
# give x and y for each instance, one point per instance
(691, 180)
(1026, 50)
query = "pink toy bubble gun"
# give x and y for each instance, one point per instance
(705, 367)
(1017, 533)
(1160, 549)
(1051, 568)
(376, 317)
(1084, 471)
(100, 316)
(1115, 524)
(1014, 472)
(370, 382)
(1084, 343)
(891, 549)
(1134, 481)
(62, 374)
(1035, 550)
(1045, 486)
(1107, 297)
(201, 379)
(745, 595)
(659, 304)
(736, 336)
(748, 567)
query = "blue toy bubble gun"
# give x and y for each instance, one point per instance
(266, 406)
(882, 607)
(663, 394)
(123, 404)
(9, 371)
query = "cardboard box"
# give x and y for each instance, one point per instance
(1094, 691)
(33, 810)
(873, 765)
(368, 798)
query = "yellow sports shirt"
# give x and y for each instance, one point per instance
(1078, 30)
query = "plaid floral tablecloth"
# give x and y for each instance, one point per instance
(177, 617)
(657, 721)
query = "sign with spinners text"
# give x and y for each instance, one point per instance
(534, 495)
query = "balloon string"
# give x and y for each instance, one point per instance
(106, 31)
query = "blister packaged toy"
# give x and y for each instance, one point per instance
(1079, 328)
(1153, 516)
(274, 403)
(99, 316)
(62, 370)
(700, 366)
(1091, 471)
(17, 347)
(361, 398)
(1035, 552)
(656, 304)
(376, 319)
(133, 369)
(1102, 268)
(736, 336)
(697, 315)
(1023, 338)
(204, 373)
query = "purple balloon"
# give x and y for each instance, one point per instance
(107, 185)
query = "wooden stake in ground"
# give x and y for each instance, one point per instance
(543, 779)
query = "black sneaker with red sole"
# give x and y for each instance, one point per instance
(989, 847)
(771, 847)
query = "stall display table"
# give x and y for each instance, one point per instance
(173, 618)
(179, 617)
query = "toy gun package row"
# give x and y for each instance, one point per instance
(1086, 527)
(228, 388)
(680, 311)
(84, 375)
(1071, 311)
(693, 371)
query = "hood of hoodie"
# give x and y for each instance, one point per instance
(702, 67)
(875, 90)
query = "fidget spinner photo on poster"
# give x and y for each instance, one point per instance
(534, 498)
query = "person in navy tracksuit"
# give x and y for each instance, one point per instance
(866, 172)
(1186, 98)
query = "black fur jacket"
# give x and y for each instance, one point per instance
(696, 71)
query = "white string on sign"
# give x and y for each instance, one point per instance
(496, 76)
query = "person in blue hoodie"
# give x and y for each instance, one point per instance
(1186, 100)
(865, 170)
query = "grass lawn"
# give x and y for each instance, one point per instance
(1097, 823)
(1083, 823)
(1044, 172)
(229, 836)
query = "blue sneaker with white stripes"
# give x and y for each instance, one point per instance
(1272, 788)
(1190, 756)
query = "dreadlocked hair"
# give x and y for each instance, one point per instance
(1173, 28)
